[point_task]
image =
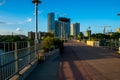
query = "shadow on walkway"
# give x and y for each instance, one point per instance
(73, 67)
(46, 70)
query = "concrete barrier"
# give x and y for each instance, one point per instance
(119, 50)
(93, 43)
(25, 71)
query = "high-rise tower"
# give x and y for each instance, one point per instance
(66, 24)
(51, 22)
(75, 29)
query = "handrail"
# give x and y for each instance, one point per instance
(12, 62)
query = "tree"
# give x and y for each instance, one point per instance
(11, 38)
(115, 36)
(56, 42)
(47, 43)
(98, 36)
(81, 35)
(51, 34)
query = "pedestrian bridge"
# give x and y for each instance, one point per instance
(79, 62)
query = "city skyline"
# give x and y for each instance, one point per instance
(18, 17)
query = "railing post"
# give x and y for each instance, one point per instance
(16, 57)
(0, 68)
(4, 47)
(119, 46)
(28, 45)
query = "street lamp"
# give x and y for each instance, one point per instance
(119, 37)
(118, 14)
(36, 2)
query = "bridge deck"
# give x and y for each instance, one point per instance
(80, 62)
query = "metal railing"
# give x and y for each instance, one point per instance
(111, 44)
(14, 57)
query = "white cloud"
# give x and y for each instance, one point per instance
(26, 21)
(21, 22)
(2, 2)
(18, 29)
(9, 23)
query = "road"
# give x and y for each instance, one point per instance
(82, 62)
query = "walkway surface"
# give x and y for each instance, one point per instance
(46, 70)
(79, 62)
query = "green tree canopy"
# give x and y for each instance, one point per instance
(11, 38)
(81, 35)
(47, 42)
(50, 42)
(115, 36)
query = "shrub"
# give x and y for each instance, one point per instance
(56, 42)
(50, 43)
(47, 43)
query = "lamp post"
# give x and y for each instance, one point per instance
(119, 37)
(118, 14)
(36, 2)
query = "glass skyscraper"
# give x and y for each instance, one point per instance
(75, 29)
(66, 22)
(51, 22)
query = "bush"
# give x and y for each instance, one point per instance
(56, 42)
(47, 43)
(50, 43)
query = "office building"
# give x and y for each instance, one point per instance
(118, 30)
(42, 35)
(57, 29)
(31, 35)
(51, 22)
(75, 29)
(61, 30)
(65, 26)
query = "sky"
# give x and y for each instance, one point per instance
(17, 16)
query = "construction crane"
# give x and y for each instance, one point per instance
(103, 29)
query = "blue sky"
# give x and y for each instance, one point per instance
(17, 16)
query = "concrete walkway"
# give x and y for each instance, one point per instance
(46, 70)
(81, 62)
